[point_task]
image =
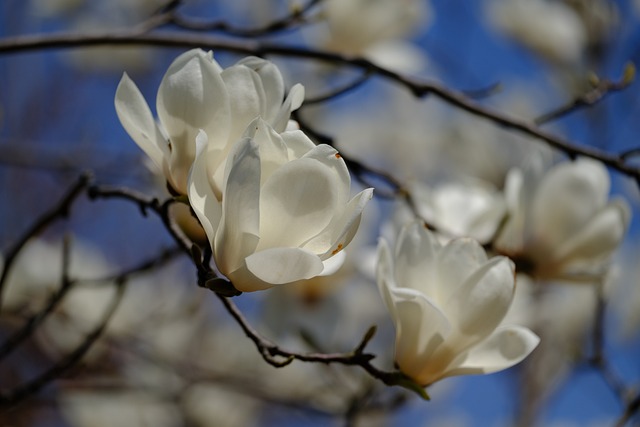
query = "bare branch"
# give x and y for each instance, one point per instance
(61, 210)
(278, 357)
(418, 86)
(601, 89)
(9, 398)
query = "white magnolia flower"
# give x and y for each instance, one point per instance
(550, 28)
(560, 224)
(285, 212)
(197, 94)
(473, 209)
(375, 29)
(448, 304)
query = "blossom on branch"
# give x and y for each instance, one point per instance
(197, 94)
(560, 224)
(284, 211)
(448, 304)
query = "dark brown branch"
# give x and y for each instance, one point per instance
(145, 204)
(601, 89)
(419, 87)
(36, 320)
(9, 398)
(632, 409)
(292, 21)
(61, 210)
(340, 91)
(598, 360)
(278, 357)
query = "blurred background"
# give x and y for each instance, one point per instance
(170, 355)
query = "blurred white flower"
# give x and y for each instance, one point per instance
(550, 28)
(448, 304)
(285, 212)
(375, 29)
(470, 209)
(197, 94)
(560, 224)
(128, 408)
(211, 404)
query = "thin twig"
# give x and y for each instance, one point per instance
(601, 89)
(339, 91)
(60, 210)
(145, 204)
(279, 357)
(598, 360)
(9, 398)
(418, 86)
(36, 320)
(290, 22)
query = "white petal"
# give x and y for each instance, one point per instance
(246, 97)
(273, 151)
(272, 83)
(238, 234)
(339, 233)
(284, 265)
(478, 306)
(416, 252)
(293, 102)
(192, 96)
(599, 237)
(298, 144)
(333, 264)
(567, 197)
(506, 347)
(297, 202)
(137, 120)
(421, 327)
(456, 262)
(202, 197)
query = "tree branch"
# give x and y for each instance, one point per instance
(418, 86)
(61, 210)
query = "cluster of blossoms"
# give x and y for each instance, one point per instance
(276, 209)
(274, 206)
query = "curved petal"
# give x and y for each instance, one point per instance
(292, 102)
(238, 233)
(272, 83)
(416, 254)
(246, 97)
(298, 144)
(566, 199)
(506, 347)
(137, 120)
(192, 96)
(341, 230)
(421, 328)
(273, 151)
(201, 195)
(598, 238)
(511, 237)
(331, 159)
(284, 265)
(333, 264)
(297, 202)
(456, 262)
(478, 306)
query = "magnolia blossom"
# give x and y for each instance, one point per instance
(549, 27)
(285, 213)
(448, 304)
(197, 94)
(375, 29)
(473, 209)
(560, 224)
